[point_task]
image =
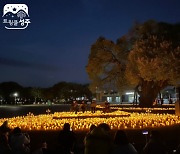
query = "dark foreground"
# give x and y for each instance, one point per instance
(170, 136)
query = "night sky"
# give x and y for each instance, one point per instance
(56, 45)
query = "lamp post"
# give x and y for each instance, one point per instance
(15, 96)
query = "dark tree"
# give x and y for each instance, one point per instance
(147, 58)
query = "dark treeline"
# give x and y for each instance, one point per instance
(13, 93)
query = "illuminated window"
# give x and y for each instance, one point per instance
(109, 99)
(118, 99)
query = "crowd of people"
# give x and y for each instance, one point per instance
(75, 107)
(98, 140)
(13, 141)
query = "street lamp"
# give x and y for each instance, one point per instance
(15, 96)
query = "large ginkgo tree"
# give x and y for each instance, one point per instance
(147, 59)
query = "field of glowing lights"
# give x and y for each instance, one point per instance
(82, 121)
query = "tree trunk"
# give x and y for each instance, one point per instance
(136, 94)
(148, 93)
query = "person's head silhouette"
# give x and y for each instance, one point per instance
(66, 127)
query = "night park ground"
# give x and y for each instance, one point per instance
(169, 127)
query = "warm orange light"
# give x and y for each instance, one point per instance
(82, 121)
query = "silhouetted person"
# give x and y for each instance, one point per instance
(162, 101)
(4, 145)
(72, 106)
(155, 102)
(4, 139)
(93, 106)
(155, 144)
(66, 139)
(105, 127)
(122, 144)
(20, 142)
(92, 127)
(90, 130)
(42, 149)
(4, 128)
(83, 106)
(107, 107)
(99, 140)
(76, 107)
(170, 101)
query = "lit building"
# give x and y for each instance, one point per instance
(128, 96)
(115, 97)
